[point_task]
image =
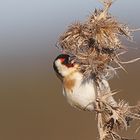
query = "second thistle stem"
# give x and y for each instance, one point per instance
(100, 126)
(100, 121)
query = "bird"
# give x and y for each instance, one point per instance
(80, 92)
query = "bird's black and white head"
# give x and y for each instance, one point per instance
(64, 65)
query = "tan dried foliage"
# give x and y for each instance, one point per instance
(95, 43)
(112, 119)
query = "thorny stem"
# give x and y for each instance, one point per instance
(100, 121)
(104, 13)
(112, 118)
(102, 51)
(131, 61)
(100, 126)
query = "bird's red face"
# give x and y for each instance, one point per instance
(63, 64)
(66, 60)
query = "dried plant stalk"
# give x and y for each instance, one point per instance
(96, 42)
(95, 45)
(111, 119)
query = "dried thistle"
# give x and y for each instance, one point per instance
(111, 119)
(95, 45)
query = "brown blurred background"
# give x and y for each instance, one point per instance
(32, 106)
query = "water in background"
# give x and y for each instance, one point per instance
(31, 103)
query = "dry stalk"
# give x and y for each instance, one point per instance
(111, 119)
(95, 45)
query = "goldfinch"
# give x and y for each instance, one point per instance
(79, 92)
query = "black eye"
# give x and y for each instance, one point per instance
(69, 59)
(66, 60)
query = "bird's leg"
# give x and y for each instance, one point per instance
(98, 108)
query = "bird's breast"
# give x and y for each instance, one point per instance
(80, 94)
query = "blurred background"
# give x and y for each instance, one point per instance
(32, 106)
